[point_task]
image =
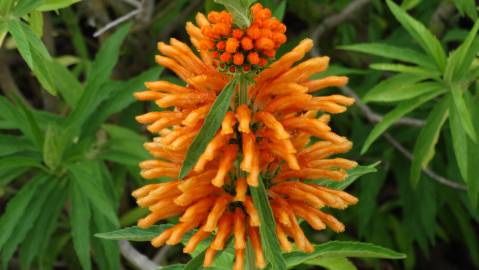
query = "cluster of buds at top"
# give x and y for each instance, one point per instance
(243, 49)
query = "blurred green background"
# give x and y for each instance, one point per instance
(69, 145)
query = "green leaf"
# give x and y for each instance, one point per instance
(39, 236)
(239, 9)
(34, 53)
(35, 208)
(279, 11)
(88, 180)
(353, 175)
(267, 231)
(421, 34)
(49, 5)
(67, 85)
(459, 141)
(210, 126)
(409, 4)
(428, 73)
(134, 233)
(333, 263)
(19, 161)
(467, 7)
(18, 206)
(80, 223)
(342, 249)
(22, 118)
(36, 22)
(100, 73)
(392, 52)
(394, 115)
(393, 90)
(121, 98)
(124, 146)
(6, 6)
(381, 92)
(53, 146)
(461, 59)
(13, 144)
(107, 252)
(465, 115)
(25, 6)
(426, 141)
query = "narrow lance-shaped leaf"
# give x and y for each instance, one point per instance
(134, 233)
(401, 90)
(460, 60)
(342, 249)
(38, 237)
(34, 209)
(17, 206)
(210, 126)
(421, 34)
(80, 223)
(267, 228)
(389, 119)
(279, 11)
(425, 144)
(462, 109)
(392, 52)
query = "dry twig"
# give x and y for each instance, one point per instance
(369, 115)
(135, 258)
(335, 20)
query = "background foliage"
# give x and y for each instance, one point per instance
(69, 146)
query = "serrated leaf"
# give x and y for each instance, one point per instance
(134, 233)
(392, 52)
(17, 206)
(342, 249)
(210, 126)
(239, 9)
(421, 34)
(267, 231)
(80, 223)
(34, 209)
(402, 109)
(394, 91)
(353, 175)
(426, 141)
(39, 236)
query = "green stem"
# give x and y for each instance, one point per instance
(243, 90)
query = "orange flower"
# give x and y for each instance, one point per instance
(269, 138)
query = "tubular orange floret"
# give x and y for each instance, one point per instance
(280, 135)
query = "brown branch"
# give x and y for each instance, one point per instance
(335, 20)
(433, 175)
(135, 258)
